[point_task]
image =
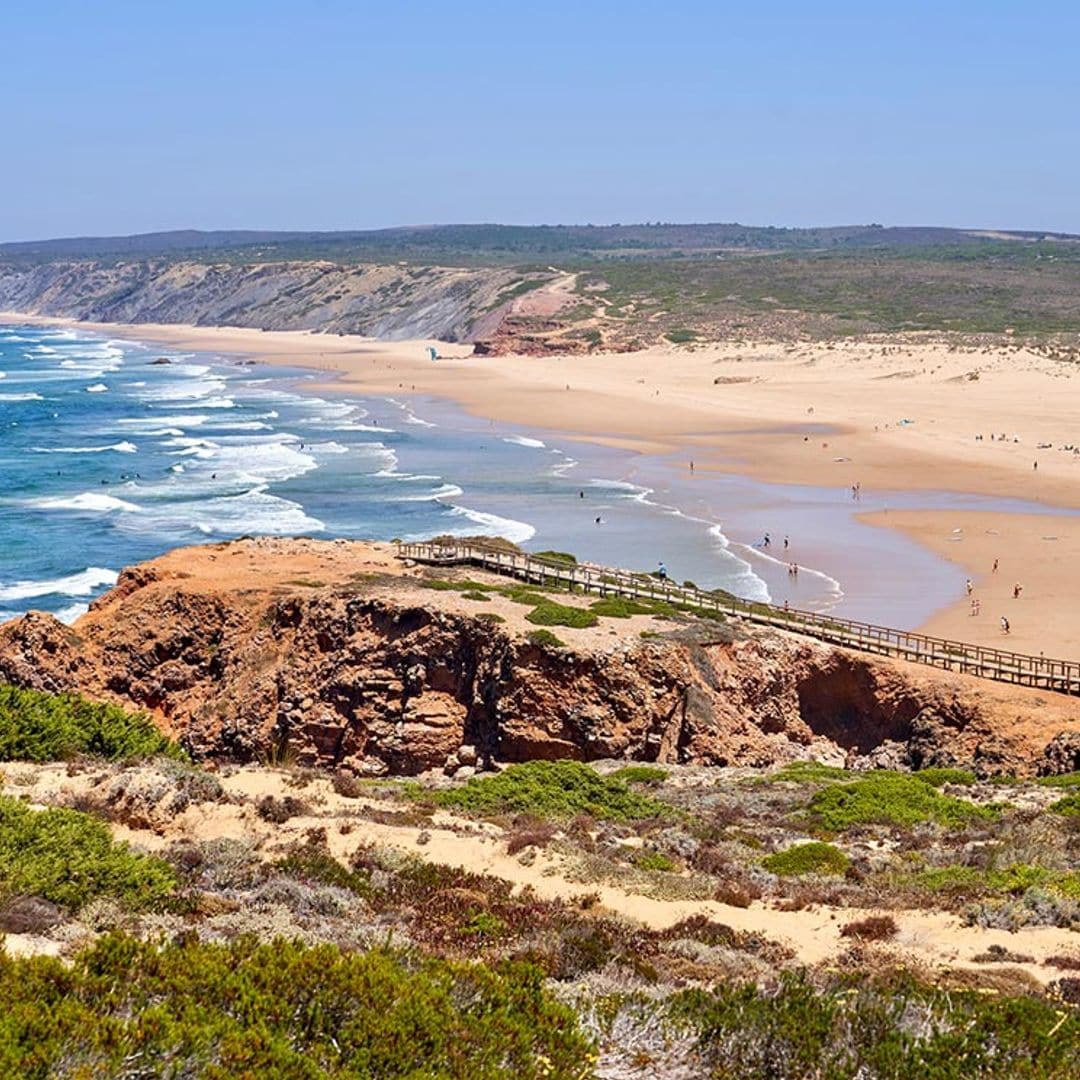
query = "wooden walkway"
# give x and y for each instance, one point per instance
(1059, 676)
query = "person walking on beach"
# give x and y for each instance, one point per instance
(786, 543)
(968, 586)
(766, 542)
(1004, 625)
(1017, 590)
(995, 566)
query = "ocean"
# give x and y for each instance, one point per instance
(113, 451)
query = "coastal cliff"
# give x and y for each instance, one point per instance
(336, 655)
(388, 302)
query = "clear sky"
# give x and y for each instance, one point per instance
(124, 117)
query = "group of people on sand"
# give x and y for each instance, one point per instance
(976, 603)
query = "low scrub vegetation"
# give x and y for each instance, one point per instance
(1069, 806)
(36, 726)
(563, 557)
(546, 638)
(883, 1027)
(1064, 780)
(617, 607)
(811, 858)
(640, 774)
(551, 789)
(549, 613)
(69, 858)
(280, 1010)
(940, 777)
(887, 798)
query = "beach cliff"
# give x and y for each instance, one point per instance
(334, 654)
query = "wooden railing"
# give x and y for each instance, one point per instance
(1060, 676)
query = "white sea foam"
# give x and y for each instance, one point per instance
(120, 448)
(251, 461)
(81, 584)
(192, 389)
(355, 426)
(193, 420)
(21, 397)
(517, 532)
(384, 456)
(413, 419)
(72, 612)
(443, 491)
(524, 440)
(91, 501)
(97, 388)
(834, 593)
(255, 511)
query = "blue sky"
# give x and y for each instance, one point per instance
(127, 117)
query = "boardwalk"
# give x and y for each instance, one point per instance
(1059, 676)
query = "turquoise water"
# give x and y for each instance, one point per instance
(112, 452)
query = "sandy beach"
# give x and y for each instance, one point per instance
(891, 415)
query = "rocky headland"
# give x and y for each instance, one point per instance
(336, 654)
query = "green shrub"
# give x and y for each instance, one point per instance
(811, 858)
(809, 772)
(549, 613)
(492, 617)
(681, 336)
(888, 798)
(546, 638)
(69, 858)
(36, 726)
(940, 777)
(1065, 780)
(563, 557)
(1013, 880)
(473, 594)
(647, 859)
(859, 1027)
(524, 596)
(640, 774)
(952, 879)
(1069, 806)
(618, 607)
(551, 789)
(279, 1011)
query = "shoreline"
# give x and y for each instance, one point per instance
(608, 394)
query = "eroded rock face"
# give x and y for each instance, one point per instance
(375, 684)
